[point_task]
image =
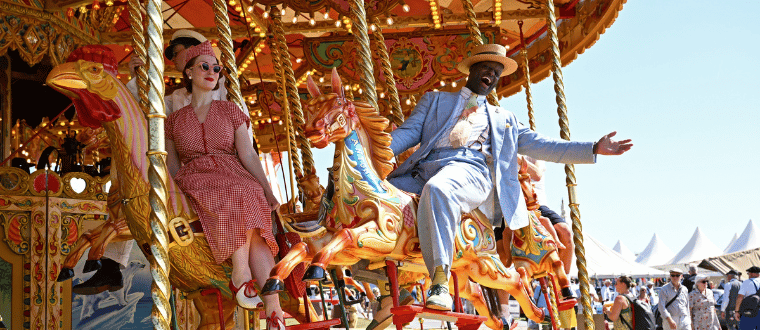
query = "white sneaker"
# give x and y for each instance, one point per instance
(439, 298)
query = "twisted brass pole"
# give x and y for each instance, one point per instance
(292, 91)
(477, 38)
(227, 59)
(390, 81)
(293, 159)
(526, 72)
(559, 89)
(157, 197)
(361, 40)
(138, 44)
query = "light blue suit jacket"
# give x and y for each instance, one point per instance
(508, 137)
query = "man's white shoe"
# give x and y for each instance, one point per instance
(439, 298)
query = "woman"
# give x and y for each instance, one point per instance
(702, 306)
(620, 312)
(211, 157)
(644, 295)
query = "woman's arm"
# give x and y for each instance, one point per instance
(250, 160)
(620, 303)
(172, 159)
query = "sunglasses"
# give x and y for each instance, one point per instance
(705, 281)
(677, 275)
(205, 67)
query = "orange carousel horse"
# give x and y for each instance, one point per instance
(365, 217)
(102, 100)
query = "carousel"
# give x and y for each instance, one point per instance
(84, 161)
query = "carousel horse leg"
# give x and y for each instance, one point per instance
(471, 291)
(483, 272)
(82, 244)
(298, 253)
(109, 232)
(343, 242)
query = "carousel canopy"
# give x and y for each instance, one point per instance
(424, 41)
(698, 248)
(749, 239)
(656, 253)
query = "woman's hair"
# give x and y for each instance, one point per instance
(627, 280)
(189, 82)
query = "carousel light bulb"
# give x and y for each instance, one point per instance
(346, 87)
(372, 27)
(250, 9)
(299, 60)
(279, 122)
(498, 22)
(282, 12)
(295, 19)
(382, 95)
(109, 3)
(405, 7)
(239, 8)
(265, 14)
(262, 34)
(177, 80)
(269, 120)
(389, 20)
(312, 22)
(435, 89)
(321, 79)
(95, 5)
(259, 113)
(232, 3)
(453, 84)
(438, 26)
(408, 101)
(443, 83)
(337, 23)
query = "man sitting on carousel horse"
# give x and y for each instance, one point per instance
(468, 159)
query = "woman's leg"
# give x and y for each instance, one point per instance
(261, 263)
(241, 271)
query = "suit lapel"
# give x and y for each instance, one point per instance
(446, 104)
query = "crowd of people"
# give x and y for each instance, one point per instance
(684, 302)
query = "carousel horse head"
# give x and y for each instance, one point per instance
(89, 79)
(329, 117)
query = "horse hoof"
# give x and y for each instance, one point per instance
(314, 273)
(272, 286)
(91, 265)
(66, 273)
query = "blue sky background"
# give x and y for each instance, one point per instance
(680, 78)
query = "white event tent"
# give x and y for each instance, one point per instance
(736, 235)
(699, 247)
(656, 253)
(624, 251)
(749, 239)
(603, 262)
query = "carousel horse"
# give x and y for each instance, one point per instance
(102, 100)
(534, 249)
(112, 230)
(312, 192)
(368, 218)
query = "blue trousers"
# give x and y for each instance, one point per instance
(450, 182)
(749, 323)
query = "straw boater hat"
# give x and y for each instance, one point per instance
(489, 52)
(186, 55)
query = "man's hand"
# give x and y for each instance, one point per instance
(670, 321)
(134, 62)
(723, 314)
(607, 146)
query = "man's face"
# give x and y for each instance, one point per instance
(484, 76)
(675, 278)
(177, 48)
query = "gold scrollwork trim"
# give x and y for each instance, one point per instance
(15, 9)
(92, 186)
(13, 181)
(52, 177)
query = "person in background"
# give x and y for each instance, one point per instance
(688, 280)
(608, 292)
(749, 286)
(676, 316)
(730, 293)
(653, 296)
(620, 311)
(644, 295)
(702, 306)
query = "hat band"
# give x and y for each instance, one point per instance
(490, 53)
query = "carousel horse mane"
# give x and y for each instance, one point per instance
(374, 125)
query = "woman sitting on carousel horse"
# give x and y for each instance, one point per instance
(211, 158)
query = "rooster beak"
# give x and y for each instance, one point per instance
(64, 77)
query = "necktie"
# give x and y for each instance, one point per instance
(462, 129)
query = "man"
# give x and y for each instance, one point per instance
(468, 158)
(653, 296)
(749, 286)
(676, 315)
(608, 291)
(688, 280)
(730, 294)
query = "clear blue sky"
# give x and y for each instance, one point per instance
(680, 78)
